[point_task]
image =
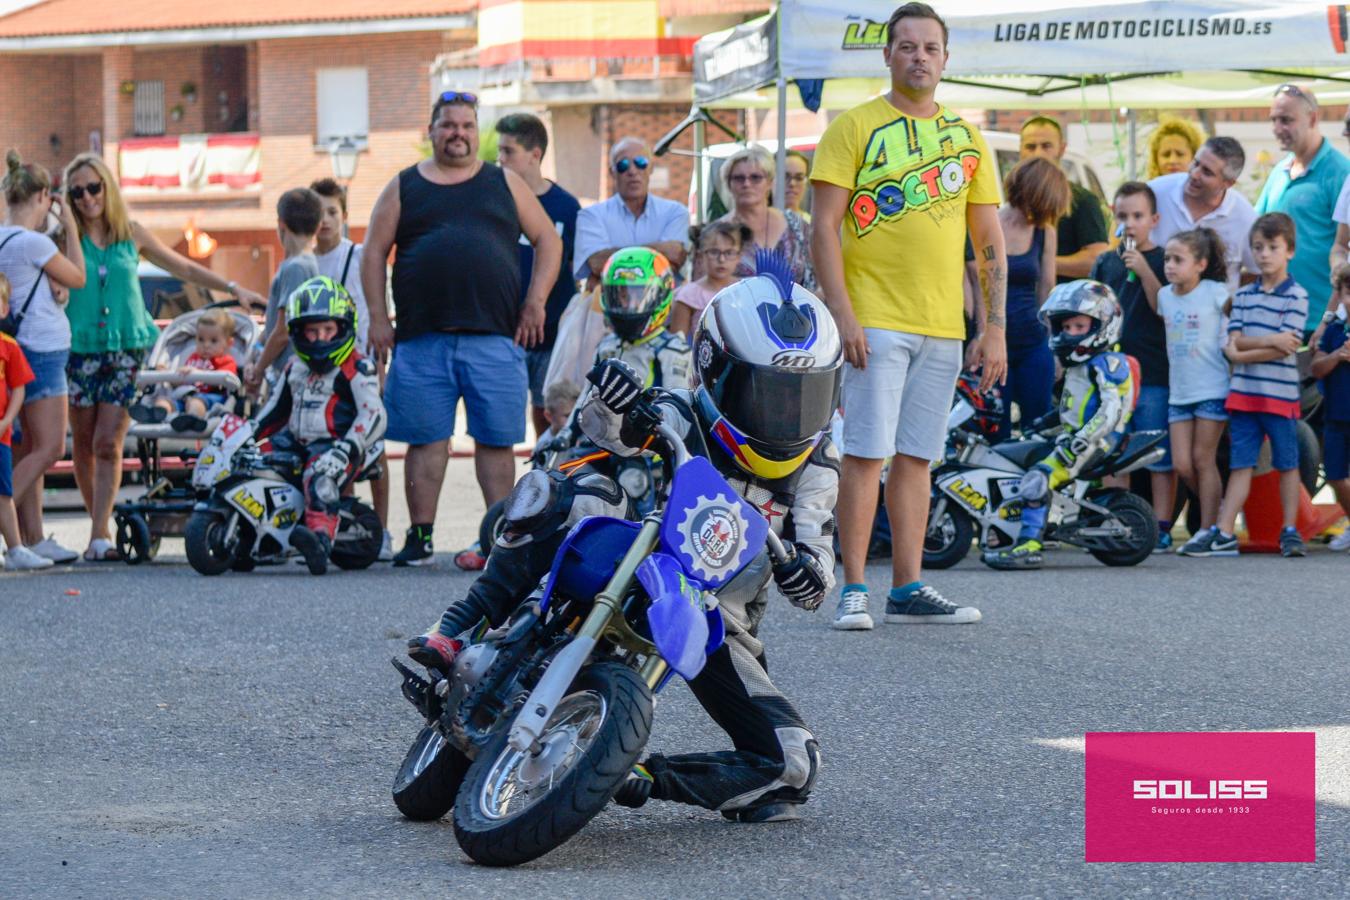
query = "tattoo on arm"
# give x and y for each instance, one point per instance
(994, 287)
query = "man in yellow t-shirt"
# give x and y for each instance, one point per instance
(904, 180)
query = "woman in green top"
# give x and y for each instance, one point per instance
(111, 332)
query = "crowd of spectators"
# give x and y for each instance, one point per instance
(487, 258)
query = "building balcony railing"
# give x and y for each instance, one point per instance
(222, 164)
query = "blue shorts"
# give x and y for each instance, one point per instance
(1336, 452)
(536, 362)
(6, 471)
(1213, 410)
(1246, 431)
(49, 375)
(431, 373)
(1150, 414)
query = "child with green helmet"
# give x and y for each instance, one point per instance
(636, 292)
(327, 401)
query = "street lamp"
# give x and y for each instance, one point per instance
(343, 155)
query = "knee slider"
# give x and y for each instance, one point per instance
(1034, 487)
(801, 758)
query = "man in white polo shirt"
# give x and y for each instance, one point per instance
(1204, 198)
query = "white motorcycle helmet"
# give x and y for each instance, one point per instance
(1083, 297)
(769, 362)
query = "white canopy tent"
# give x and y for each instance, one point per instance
(1029, 54)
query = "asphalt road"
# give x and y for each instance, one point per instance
(165, 734)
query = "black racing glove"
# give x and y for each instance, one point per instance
(802, 580)
(616, 384)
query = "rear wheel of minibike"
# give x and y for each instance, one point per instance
(947, 539)
(1133, 512)
(359, 536)
(517, 806)
(134, 543)
(429, 778)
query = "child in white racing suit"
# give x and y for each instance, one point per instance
(762, 424)
(327, 401)
(1100, 386)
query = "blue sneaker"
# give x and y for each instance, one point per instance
(1210, 542)
(925, 606)
(1164, 542)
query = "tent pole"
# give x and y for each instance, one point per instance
(700, 188)
(1132, 165)
(780, 158)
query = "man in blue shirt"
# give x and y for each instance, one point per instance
(631, 217)
(1305, 185)
(522, 141)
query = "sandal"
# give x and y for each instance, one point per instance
(102, 550)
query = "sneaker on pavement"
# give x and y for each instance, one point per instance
(434, 650)
(636, 787)
(313, 547)
(471, 559)
(1291, 543)
(1164, 542)
(21, 558)
(851, 614)
(1341, 541)
(1026, 555)
(1209, 542)
(49, 548)
(386, 547)
(925, 606)
(416, 551)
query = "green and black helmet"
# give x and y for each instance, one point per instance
(635, 293)
(322, 299)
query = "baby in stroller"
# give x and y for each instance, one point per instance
(192, 376)
(214, 334)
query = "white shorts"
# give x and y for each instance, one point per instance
(900, 402)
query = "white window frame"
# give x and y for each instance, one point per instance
(341, 105)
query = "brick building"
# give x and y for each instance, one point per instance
(209, 114)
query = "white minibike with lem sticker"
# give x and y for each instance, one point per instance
(249, 501)
(974, 489)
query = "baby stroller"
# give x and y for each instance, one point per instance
(167, 503)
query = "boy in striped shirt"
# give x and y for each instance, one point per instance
(1265, 332)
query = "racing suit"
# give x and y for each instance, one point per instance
(336, 417)
(776, 757)
(661, 360)
(1096, 405)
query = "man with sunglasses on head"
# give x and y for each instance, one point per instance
(462, 327)
(1305, 186)
(630, 217)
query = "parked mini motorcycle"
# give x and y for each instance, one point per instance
(541, 719)
(975, 486)
(252, 500)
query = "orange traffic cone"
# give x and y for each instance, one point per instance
(1265, 516)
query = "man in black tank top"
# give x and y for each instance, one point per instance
(462, 328)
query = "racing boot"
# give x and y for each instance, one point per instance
(434, 650)
(313, 546)
(1026, 555)
(636, 788)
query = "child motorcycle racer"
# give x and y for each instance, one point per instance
(328, 402)
(635, 294)
(769, 360)
(1100, 386)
